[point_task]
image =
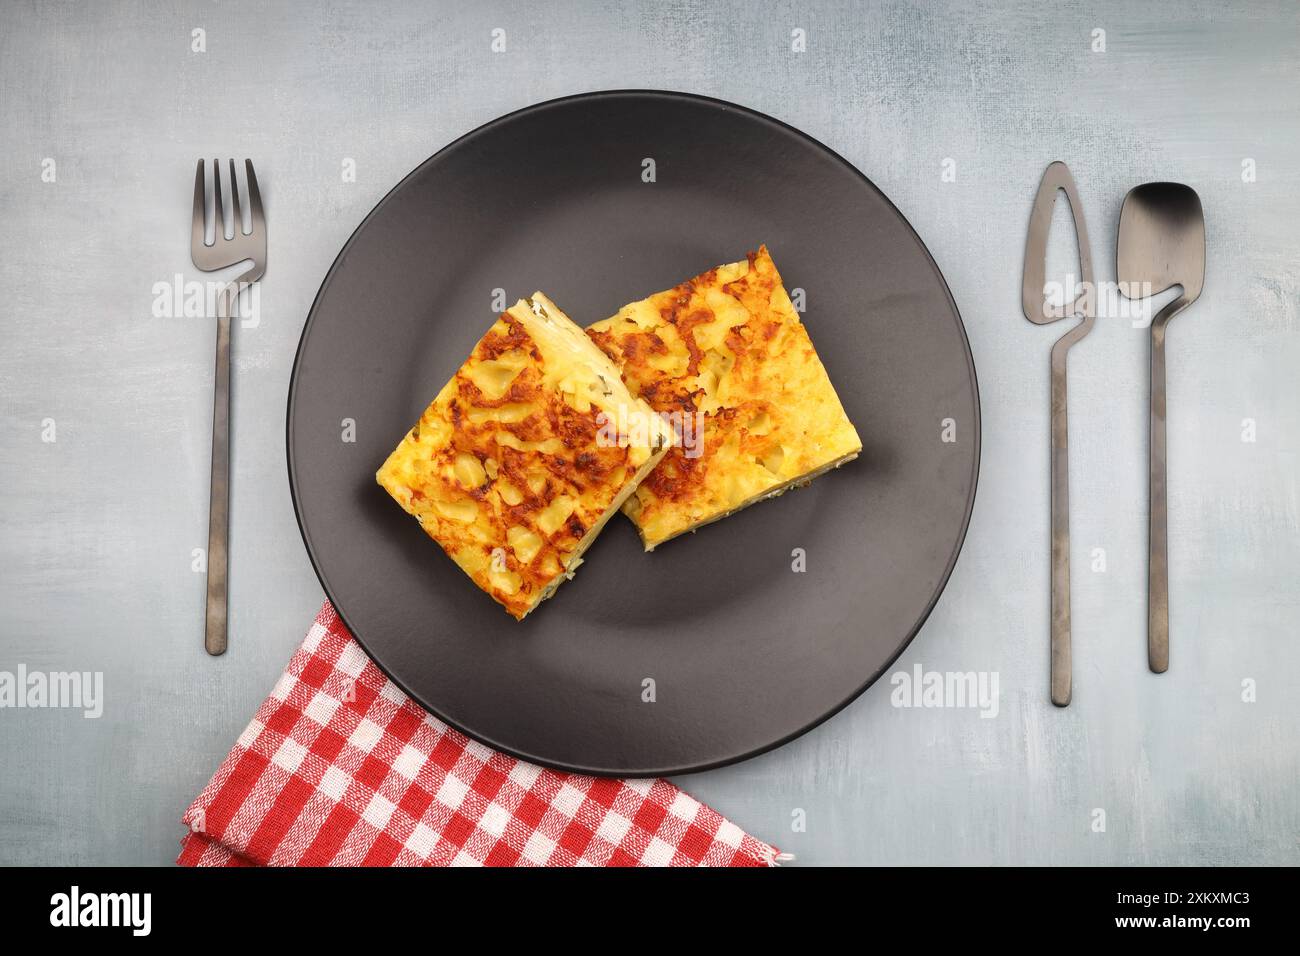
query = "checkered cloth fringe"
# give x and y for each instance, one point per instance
(340, 768)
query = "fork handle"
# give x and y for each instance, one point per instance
(1061, 657)
(214, 637)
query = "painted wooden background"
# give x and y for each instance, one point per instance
(953, 109)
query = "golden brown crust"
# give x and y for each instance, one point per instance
(725, 353)
(507, 469)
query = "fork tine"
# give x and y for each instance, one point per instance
(197, 234)
(254, 199)
(220, 215)
(236, 214)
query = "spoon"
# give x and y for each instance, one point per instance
(1040, 311)
(1161, 245)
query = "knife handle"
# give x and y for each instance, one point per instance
(1061, 663)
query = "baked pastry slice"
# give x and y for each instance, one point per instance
(515, 467)
(725, 358)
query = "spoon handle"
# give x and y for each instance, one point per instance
(1158, 560)
(1157, 532)
(1061, 663)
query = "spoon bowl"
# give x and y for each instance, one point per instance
(1162, 242)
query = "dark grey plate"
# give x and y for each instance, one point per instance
(744, 653)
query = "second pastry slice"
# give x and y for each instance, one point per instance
(726, 359)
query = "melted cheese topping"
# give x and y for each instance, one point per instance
(511, 468)
(726, 351)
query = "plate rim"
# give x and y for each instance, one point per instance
(673, 95)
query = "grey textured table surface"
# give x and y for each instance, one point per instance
(953, 110)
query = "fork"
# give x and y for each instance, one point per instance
(222, 253)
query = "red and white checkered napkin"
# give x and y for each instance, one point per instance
(340, 768)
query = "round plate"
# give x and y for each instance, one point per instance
(744, 651)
